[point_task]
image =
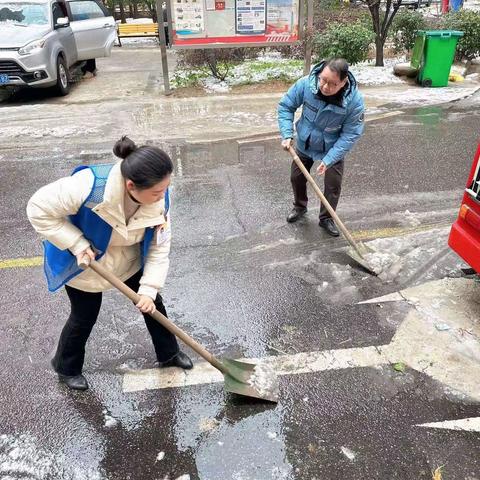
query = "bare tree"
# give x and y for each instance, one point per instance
(382, 17)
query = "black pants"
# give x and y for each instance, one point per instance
(85, 306)
(333, 184)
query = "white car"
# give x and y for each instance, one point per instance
(42, 41)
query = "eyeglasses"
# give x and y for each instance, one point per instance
(323, 81)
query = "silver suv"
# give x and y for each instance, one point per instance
(42, 41)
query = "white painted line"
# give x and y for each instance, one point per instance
(391, 297)
(466, 424)
(309, 362)
(382, 115)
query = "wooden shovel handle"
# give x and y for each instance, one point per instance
(162, 319)
(324, 201)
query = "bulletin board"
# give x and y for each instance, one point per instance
(232, 23)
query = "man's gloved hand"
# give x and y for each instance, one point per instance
(287, 143)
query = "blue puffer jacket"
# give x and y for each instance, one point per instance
(332, 130)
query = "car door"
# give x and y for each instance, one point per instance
(64, 33)
(93, 28)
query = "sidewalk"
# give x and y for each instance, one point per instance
(126, 95)
(221, 117)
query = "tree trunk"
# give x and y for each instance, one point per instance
(130, 10)
(135, 10)
(379, 43)
(122, 12)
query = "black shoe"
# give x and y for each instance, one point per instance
(329, 225)
(181, 360)
(75, 382)
(295, 214)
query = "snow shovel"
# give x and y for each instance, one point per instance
(358, 250)
(250, 380)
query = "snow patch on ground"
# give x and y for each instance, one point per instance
(277, 67)
(278, 243)
(334, 282)
(350, 454)
(23, 457)
(40, 132)
(418, 256)
(266, 67)
(367, 74)
(418, 96)
(109, 421)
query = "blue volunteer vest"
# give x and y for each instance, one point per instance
(60, 266)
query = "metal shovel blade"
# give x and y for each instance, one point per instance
(250, 380)
(359, 256)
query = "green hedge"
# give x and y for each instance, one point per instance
(347, 41)
(468, 22)
(404, 28)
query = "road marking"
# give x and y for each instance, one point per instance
(391, 297)
(449, 357)
(25, 262)
(309, 362)
(382, 115)
(466, 424)
(21, 262)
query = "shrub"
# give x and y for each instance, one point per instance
(347, 41)
(467, 21)
(405, 25)
(218, 60)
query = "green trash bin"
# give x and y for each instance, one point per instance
(433, 56)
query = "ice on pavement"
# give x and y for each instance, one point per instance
(381, 261)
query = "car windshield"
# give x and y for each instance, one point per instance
(24, 13)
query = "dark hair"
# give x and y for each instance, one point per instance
(145, 166)
(339, 66)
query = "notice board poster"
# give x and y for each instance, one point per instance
(251, 16)
(189, 16)
(197, 23)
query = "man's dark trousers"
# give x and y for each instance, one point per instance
(333, 184)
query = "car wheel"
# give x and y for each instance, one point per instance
(63, 84)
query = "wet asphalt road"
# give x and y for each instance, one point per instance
(246, 284)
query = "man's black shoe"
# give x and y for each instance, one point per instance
(75, 382)
(329, 225)
(181, 360)
(295, 214)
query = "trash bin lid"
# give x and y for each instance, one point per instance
(440, 33)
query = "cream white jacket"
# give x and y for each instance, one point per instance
(48, 212)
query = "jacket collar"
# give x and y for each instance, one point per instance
(111, 209)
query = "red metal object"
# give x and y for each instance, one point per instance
(465, 233)
(445, 6)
